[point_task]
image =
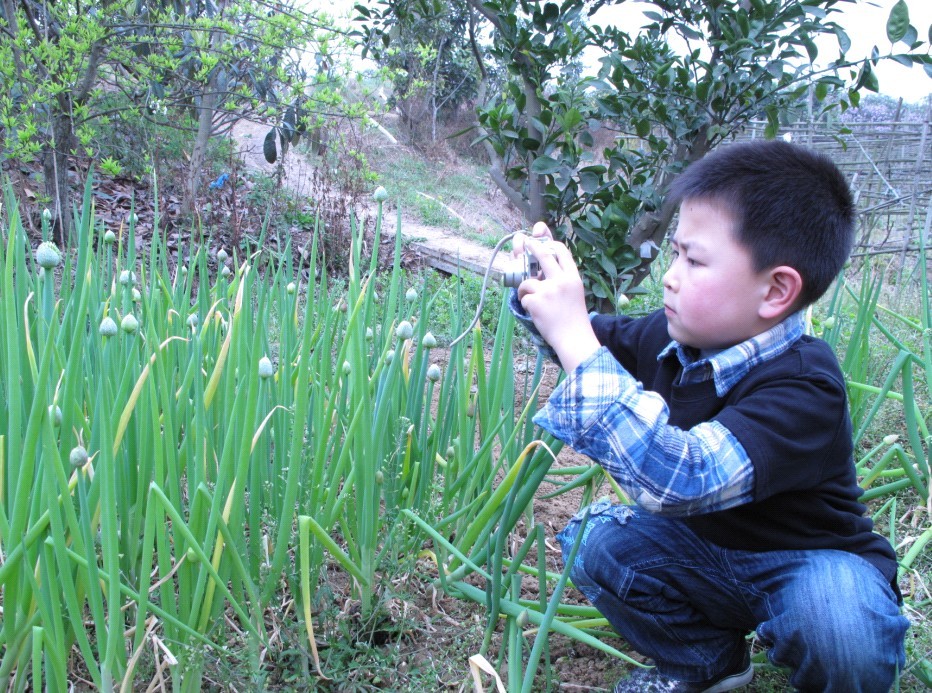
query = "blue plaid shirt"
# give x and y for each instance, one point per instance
(600, 410)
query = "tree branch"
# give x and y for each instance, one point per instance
(515, 197)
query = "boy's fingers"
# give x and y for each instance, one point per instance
(541, 230)
(552, 256)
(518, 241)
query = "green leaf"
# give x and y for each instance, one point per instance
(585, 233)
(545, 165)
(589, 181)
(821, 91)
(811, 49)
(690, 33)
(902, 59)
(642, 127)
(844, 41)
(773, 123)
(898, 21)
(269, 147)
(539, 124)
(571, 119)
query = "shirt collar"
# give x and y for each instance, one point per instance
(730, 365)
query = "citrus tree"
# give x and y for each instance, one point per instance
(694, 75)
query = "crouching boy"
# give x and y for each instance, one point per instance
(729, 429)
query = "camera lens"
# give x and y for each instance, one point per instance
(513, 279)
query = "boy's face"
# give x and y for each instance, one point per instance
(712, 295)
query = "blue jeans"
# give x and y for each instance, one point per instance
(830, 616)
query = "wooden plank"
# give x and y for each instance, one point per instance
(453, 259)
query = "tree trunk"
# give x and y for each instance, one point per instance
(210, 98)
(205, 123)
(55, 171)
(651, 229)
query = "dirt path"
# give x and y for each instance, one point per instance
(435, 246)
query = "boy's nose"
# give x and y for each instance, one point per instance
(668, 280)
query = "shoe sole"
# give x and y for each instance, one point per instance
(729, 683)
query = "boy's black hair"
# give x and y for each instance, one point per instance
(792, 206)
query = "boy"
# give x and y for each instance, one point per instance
(729, 429)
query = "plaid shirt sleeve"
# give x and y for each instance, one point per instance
(601, 411)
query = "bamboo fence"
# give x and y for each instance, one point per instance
(889, 165)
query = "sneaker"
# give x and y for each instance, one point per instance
(652, 681)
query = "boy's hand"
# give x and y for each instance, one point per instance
(557, 303)
(540, 232)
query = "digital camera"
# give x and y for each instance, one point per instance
(528, 268)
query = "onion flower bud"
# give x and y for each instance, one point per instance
(266, 369)
(108, 327)
(78, 456)
(404, 330)
(129, 324)
(48, 256)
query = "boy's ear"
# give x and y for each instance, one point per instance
(784, 287)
